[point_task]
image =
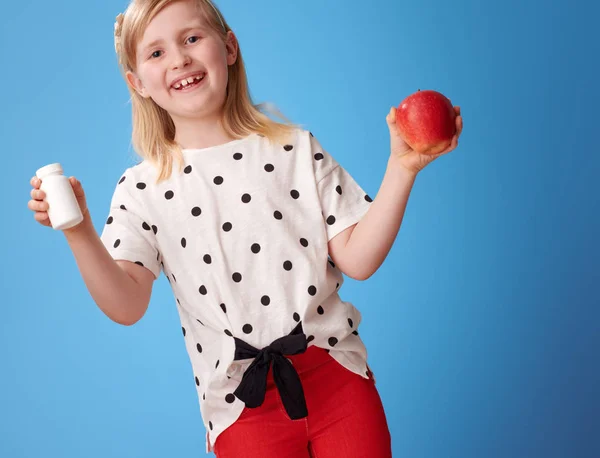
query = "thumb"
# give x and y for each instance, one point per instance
(77, 187)
(391, 121)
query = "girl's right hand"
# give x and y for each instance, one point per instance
(39, 205)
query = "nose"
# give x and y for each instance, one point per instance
(179, 59)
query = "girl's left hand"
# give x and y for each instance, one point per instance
(411, 160)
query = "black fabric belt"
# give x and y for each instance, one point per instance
(253, 387)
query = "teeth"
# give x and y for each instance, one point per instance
(187, 81)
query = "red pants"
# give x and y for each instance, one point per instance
(345, 417)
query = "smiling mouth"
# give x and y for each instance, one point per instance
(190, 82)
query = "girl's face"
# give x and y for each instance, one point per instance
(182, 63)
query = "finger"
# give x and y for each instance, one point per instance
(41, 217)
(77, 187)
(459, 125)
(37, 205)
(457, 110)
(454, 143)
(35, 182)
(391, 117)
(38, 194)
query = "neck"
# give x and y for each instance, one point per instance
(197, 134)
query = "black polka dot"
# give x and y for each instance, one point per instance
(238, 156)
(183, 330)
(255, 248)
(355, 333)
(123, 207)
(196, 211)
(331, 220)
(224, 308)
(146, 226)
(200, 322)
(197, 381)
(199, 348)
(310, 339)
(228, 332)
(295, 194)
(338, 189)
(109, 220)
(265, 300)
(141, 185)
(269, 168)
(337, 286)
(202, 290)
(247, 328)
(169, 195)
(287, 265)
(288, 147)
(331, 263)
(218, 180)
(350, 322)
(122, 180)
(277, 215)
(154, 229)
(320, 310)
(246, 198)
(188, 169)
(207, 259)
(230, 398)
(174, 279)
(183, 242)
(368, 199)
(296, 317)
(217, 365)
(139, 263)
(204, 396)
(237, 277)
(210, 425)
(312, 290)
(117, 243)
(227, 227)
(332, 341)
(319, 156)
(304, 242)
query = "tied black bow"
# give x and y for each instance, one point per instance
(253, 386)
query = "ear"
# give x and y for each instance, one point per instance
(136, 83)
(231, 45)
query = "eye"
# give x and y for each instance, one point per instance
(193, 39)
(155, 54)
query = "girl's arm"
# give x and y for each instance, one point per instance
(361, 249)
(121, 289)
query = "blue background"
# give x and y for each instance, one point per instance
(483, 324)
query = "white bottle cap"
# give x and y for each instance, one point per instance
(48, 170)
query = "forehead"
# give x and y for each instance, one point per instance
(172, 19)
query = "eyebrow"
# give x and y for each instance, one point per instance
(181, 32)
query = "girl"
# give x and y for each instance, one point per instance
(253, 223)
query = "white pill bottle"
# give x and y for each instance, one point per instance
(63, 209)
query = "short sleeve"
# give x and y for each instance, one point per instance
(343, 201)
(126, 234)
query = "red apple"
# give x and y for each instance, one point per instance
(426, 121)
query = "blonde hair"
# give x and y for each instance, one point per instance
(153, 130)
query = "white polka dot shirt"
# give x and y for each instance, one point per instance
(241, 235)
